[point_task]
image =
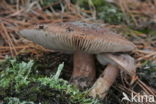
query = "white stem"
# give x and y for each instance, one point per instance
(104, 82)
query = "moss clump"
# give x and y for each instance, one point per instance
(111, 14)
(148, 73)
(19, 85)
(108, 12)
(47, 2)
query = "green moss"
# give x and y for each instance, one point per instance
(108, 12)
(15, 73)
(19, 86)
(14, 100)
(47, 2)
(111, 14)
(148, 73)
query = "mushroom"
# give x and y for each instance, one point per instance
(107, 78)
(123, 61)
(68, 38)
(83, 40)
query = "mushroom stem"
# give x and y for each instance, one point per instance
(104, 82)
(84, 70)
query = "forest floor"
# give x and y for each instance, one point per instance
(27, 70)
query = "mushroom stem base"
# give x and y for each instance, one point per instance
(84, 73)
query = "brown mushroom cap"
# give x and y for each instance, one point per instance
(73, 36)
